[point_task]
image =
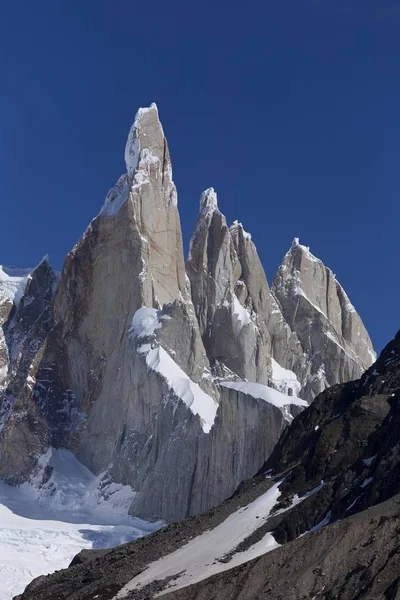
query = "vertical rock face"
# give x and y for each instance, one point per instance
(318, 310)
(240, 322)
(122, 364)
(27, 306)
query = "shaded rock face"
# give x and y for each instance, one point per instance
(122, 363)
(26, 322)
(318, 310)
(337, 465)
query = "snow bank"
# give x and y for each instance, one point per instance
(43, 526)
(283, 379)
(263, 392)
(196, 400)
(144, 324)
(200, 558)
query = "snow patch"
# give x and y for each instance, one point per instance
(44, 524)
(208, 203)
(201, 557)
(263, 392)
(368, 461)
(284, 379)
(116, 197)
(145, 322)
(238, 225)
(242, 314)
(200, 403)
(366, 482)
(132, 148)
(325, 521)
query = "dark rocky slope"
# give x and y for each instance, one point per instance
(341, 458)
(354, 559)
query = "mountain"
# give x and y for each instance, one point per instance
(321, 520)
(176, 380)
(319, 311)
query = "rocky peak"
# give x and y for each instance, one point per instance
(82, 378)
(208, 203)
(230, 294)
(318, 310)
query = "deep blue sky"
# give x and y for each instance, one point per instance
(290, 109)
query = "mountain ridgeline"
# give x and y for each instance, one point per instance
(176, 379)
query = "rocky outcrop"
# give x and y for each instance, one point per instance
(318, 310)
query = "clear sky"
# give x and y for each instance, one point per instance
(289, 109)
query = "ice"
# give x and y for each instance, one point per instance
(13, 282)
(42, 527)
(284, 379)
(196, 400)
(145, 322)
(263, 392)
(200, 557)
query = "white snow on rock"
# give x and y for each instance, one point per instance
(132, 148)
(208, 202)
(139, 163)
(263, 392)
(116, 197)
(13, 282)
(145, 321)
(144, 324)
(241, 313)
(238, 225)
(200, 558)
(284, 379)
(43, 528)
(196, 400)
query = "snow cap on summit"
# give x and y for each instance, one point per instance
(237, 226)
(208, 201)
(146, 119)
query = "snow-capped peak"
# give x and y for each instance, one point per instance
(133, 146)
(237, 226)
(208, 202)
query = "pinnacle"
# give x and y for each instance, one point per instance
(208, 202)
(146, 132)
